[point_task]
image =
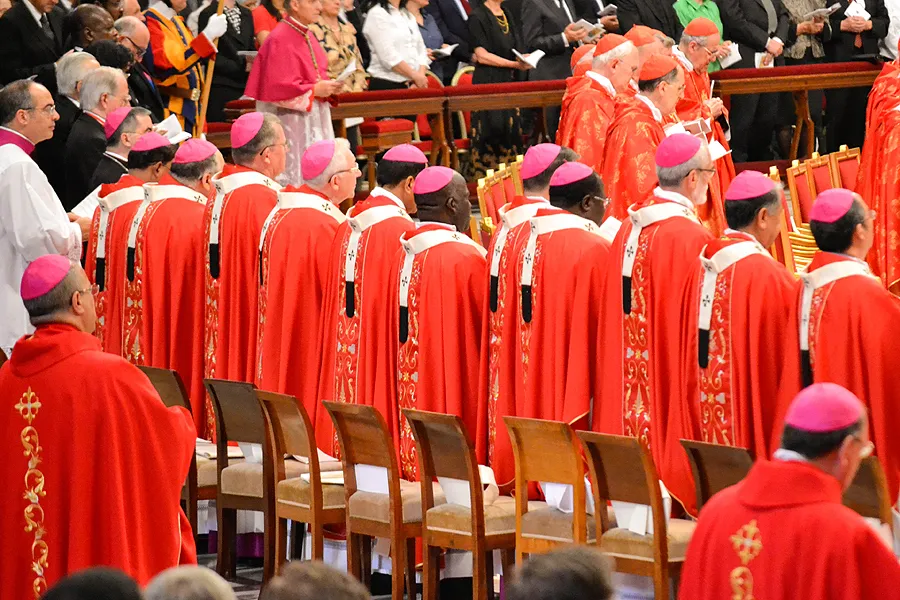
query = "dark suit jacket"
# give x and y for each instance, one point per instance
(84, 149)
(25, 50)
(354, 18)
(454, 27)
(109, 170)
(50, 155)
(231, 69)
(746, 23)
(841, 45)
(542, 25)
(657, 14)
(144, 93)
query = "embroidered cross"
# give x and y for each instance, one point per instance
(352, 255)
(405, 281)
(705, 302)
(28, 405)
(629, 251)
(528, 259)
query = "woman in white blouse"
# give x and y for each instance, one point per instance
(399, 57)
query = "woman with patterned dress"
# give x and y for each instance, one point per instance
(338, 39)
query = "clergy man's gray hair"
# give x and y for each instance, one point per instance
(700, 40)
(620, 51)
(190, 173)
(14, 97)
(189, 582)
(104, 80)
(264, 138)
(71, 70)
(128, 26)
(672, 177)
(44, 309)
(334, 167)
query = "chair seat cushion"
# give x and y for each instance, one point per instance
(377, 507)
(246, 479)
(547, 523)
(207, 471)
(295, 492)
(624, 542)
(499, 517)
(391, 125)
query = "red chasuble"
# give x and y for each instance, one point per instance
(629, 167)
(93, 469)
(294, 256)
(782, 533)
(853, 338)
(355, 320)
(548, 267)
(164, 287)
(497, 371)
(739, 300)
(588, 110)
(643, 348)
(105, 264)
(233, 223)
(436, 315)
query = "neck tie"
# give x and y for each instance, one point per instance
(466, 6)
(45, 25)
(772, 17)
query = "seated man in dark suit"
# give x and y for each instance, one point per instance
(31, 41)
(123, 127)
(230, 75)
(656, 14)
(50, 155)
(135, 36)
(86, 24)
(103, 91)
(452, 18)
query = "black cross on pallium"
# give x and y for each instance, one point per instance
(404, 281)
(352, 254)
(629, 251)
(528, 258)
(705, 301)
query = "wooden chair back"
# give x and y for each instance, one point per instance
(423, 125)
(491, 195)
(291, 431)
(868, 494)
(781, 249)
(463, 77)
(803, 190)
(845, 166)
(803, 246)
(823, 175)
(168, 385)
(515, 170)
(545, 451)
(715, 467)
(239, 417)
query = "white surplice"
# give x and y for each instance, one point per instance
(301, 129)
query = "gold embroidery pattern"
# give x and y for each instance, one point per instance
(263, 299)
(636, 352)
(526, 329)
(90, 266)
(817, 307)
(29, 406)
(716, 406)
(134, 290)
(408, 373)
(747, 543)
(211, 316)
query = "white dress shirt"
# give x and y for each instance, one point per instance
(34, 12)
(393, 38)
(889, 43)
(32, 224)
(603, 82)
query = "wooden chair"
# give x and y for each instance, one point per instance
(379, 136)
(463, 144)
(803, 246)
(622, 469)
(803, 190)
(515, 171)
(715, 467)
(868, 494)
(823, 176)
(845, 167)
(364, 440)
(491, 195)
(446, 450)
(423, 135)
(781, 250)
(311, 502)
(548, 451)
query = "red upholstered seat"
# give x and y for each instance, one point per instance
(244, 104)
(218, 128)
(388, 126)
(822, 178)
(412, 93)
(849, 170)
(422, 120)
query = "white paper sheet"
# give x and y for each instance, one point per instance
(86, 207)
(758, 61)
(207, 449)
(717, 150)
(456, 491)
(347, 72)
(446, 51)
(608, 10)
(562, 497)
(638, 518)
(171, 128)
(370, 478)
(533, 59)
(857, 9)
(733, 56)
(821, 13)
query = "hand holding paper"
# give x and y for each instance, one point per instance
(445, 51)
(532, 59)
(172, 130)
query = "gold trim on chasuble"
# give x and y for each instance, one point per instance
(134, 304)
(279, 216)
(747, 543)
(636, 384)
(816, 309)
(525, 329)
(495, 323)
(211, 320)
(408, 373)
(716, 394)
(29, 406)
(91, 267)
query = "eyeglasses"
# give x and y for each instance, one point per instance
(602, 199)
(94, 290)
(353, 169)
(138, 51)
(286, 144)
(713, 170)
(872, 214)
(867, 449)
(47, 110)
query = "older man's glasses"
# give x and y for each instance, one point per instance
(47, 110)
(138, 51)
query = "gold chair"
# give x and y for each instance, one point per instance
(803, 190)
(715, 467)
(781, 250)
(845, 166)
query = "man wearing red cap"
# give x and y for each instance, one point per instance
(355, 320)
(739, 303)
(783, 531)
(246, 193)
(164, 287)
(641, 348)
(295, 254)
(635, 132)
(695, 52)
(148, 161)
(436, 312)
(123, 127)
(848, 324)
(95, 461)
(649, 42)
(588, 110)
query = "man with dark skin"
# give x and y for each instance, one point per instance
(88, 23)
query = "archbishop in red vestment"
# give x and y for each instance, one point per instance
(94, 461)
(164, 289)
(635, 132)
(436, 312)
(783, 532)
(641, 352)
(739, 304)
(148, 160)
(355, 321)
(848, 324)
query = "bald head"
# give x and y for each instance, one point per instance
(88, 23)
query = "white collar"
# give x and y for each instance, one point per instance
(123, 159)
(383, 193)
(34, 12)
(538, 199)
(604, 82)
(95, 115)
(420, 224)
(77, 103)
(13, 131)
(634, 85)
(674, 197)
(656, 112)
(789, 456)
(686, 63)
(163, 9)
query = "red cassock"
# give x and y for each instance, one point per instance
(164, 287)
(739, 300)
(853, 338)
(587, 111)
(782, 533)
(105, 264)
(355, 321)
(496, 375)
(691, 107)
(294, 255)
(643, 348)
(629, 167)
(548, 267)
(436, 315)
(94, 466)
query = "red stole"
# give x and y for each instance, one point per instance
(294, 257)
(289, 64)
(355, 320)
(437, 310)
(587, 113)
(164, 289)
(94, 466)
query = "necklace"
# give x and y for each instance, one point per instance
(503, 22)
